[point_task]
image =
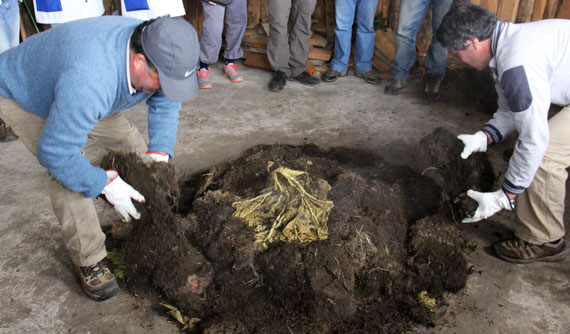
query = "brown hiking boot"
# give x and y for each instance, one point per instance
(431, 88)
(97, 281)
(520, 251)
(6, 133)
(369, 76)
(394, 87)
(331, 75)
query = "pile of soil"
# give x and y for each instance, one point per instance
(391, 236)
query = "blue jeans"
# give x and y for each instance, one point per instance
(365, 34)
(412, 13)
(9, 24)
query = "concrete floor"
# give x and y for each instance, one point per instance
(41, 294)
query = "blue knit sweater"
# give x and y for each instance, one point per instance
(73, 75)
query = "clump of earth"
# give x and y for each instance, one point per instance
(393, 248)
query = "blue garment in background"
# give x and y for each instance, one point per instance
(412, 13)
(365, 34)
(9, 24)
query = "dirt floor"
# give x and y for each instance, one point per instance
(43, 295)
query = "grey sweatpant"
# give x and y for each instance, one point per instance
(211, 39)
(289, 53)
(81, 231)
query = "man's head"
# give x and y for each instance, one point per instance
(164, 56)
(466, 32)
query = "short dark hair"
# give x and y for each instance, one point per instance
(136, 43)
(464, 22)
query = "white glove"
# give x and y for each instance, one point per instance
(119, 194)
(489, 204)
(476, 142)
(156, 157)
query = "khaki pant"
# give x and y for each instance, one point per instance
(540, 208)
(289, 52)
(80, 226)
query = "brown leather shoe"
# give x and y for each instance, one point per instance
(369, 76)
(520, 251)
(97, 281)
(394, 87)
(6, 133)
(306, 79)
(331, 75)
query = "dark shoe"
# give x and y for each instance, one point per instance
(520, 251)
(6, 133)
(306, 79)
(369, 76)
(431, 88)
(331, 75)
(97, 281)
(394, 87)
(278, 82)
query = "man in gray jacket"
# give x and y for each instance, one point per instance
(531, 66)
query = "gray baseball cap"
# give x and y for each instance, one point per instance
(172, 46)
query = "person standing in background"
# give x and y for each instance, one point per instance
(412, 13)
(288, 52)
(235, 14)
(9, 38)
(365, 38)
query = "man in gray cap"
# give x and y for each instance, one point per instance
(69, 84)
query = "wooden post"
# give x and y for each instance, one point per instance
(525, 11)
(253, 13)
(393, 15)
(564, 10)
(491, 5)
(329, 21)
(551, 7)
(22, 31)
(538, 10)
(507, 11)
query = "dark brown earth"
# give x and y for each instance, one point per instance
(392, 234)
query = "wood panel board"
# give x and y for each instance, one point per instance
(564, 10)
(538, 10)
(524, 13)
(507, 11)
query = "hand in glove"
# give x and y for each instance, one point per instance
(119, 194)
(156, 157)
(476, 142)
(489, 204)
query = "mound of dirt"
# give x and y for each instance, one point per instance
(392, 247)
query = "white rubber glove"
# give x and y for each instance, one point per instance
(119, 194)
(489, 204)
(157, 157)
(476, 142)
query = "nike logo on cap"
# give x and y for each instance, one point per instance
(187, 74)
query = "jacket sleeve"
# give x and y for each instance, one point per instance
(524, 101)
(162, 123)
(78, 105)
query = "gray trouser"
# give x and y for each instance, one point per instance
(540, 209)
(211, 39)
(81, 231)
(289, 54)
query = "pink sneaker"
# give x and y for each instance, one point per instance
(231, 71)
(203, 79)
